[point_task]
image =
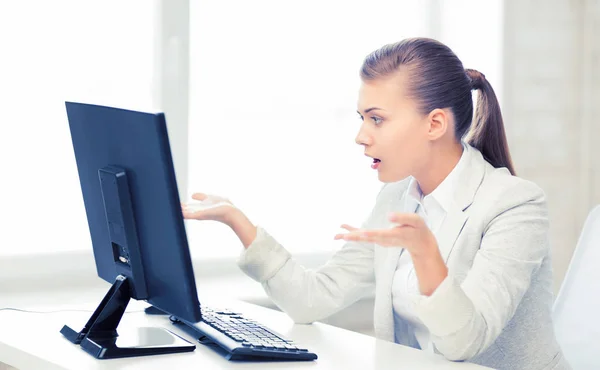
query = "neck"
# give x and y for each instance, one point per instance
(442, 162)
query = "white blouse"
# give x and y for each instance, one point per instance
(405, 286)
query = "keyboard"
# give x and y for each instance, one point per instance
(241, 338)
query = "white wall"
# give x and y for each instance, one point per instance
(551, 82)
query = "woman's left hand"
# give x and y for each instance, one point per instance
(410, 232)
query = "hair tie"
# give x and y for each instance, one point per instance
(476, 78)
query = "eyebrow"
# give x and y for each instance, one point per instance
(370, 109)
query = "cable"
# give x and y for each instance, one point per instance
(44, 312)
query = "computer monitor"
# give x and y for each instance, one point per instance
(138, 236)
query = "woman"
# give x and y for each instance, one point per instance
(456, 247)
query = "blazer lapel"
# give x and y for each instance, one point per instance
(465, 191)
(449, 231)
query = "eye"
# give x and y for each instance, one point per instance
(377, 120)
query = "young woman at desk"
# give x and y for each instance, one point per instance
(456, 247)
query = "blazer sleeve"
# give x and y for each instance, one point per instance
(309, 295)
(465, 319)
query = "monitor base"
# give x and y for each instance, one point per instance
(100, 339)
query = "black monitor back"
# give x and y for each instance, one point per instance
(107, 141)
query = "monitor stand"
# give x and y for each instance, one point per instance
(99, 337)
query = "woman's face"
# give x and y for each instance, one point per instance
(393, 131)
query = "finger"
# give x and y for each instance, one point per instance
(382, 241)
(199, 196)
(340, 237)
(405, 219)
(352, 232)
(193, 215)
(381, 233)
(395, 236)
(351, 237)
(348, 227)
(383, 237)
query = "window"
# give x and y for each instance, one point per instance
(98, 52)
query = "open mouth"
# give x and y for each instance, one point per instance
(376, 163)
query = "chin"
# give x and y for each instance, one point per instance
(390, 177)
(385, 178)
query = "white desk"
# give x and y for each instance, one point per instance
(33, 341)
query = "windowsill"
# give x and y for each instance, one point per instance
(76, 269)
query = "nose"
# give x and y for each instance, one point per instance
(363, 138)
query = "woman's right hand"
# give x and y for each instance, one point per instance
(216, 208)
(209, 207)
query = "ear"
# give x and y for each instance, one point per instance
(438, 120)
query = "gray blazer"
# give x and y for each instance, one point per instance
(493, 309)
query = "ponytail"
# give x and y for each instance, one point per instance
(487, 128)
